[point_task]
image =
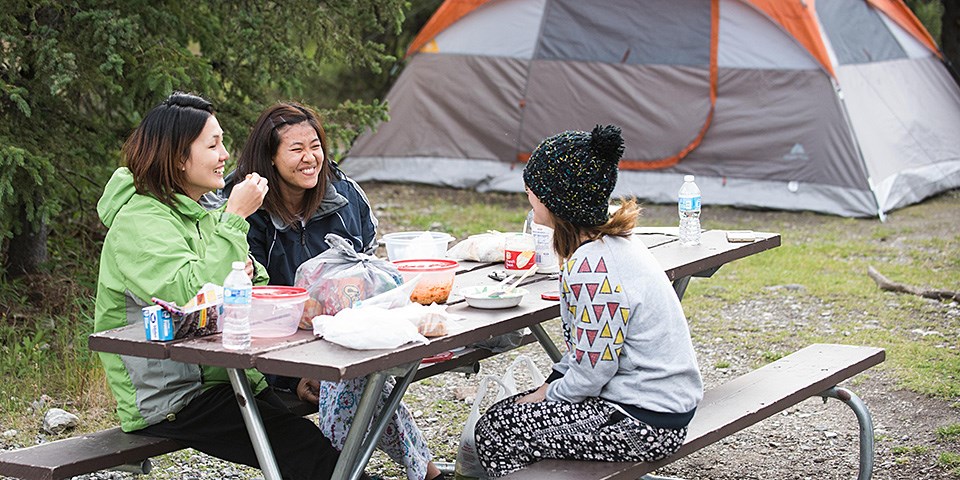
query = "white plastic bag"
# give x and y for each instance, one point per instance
(468, 463)
(369, 328)
(484, 247)
(509, 381)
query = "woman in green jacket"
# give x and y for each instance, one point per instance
(164, 242)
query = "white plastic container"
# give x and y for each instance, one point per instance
(519, 251)
(408, 245)
(275, 311)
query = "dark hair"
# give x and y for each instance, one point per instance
(567, 237)
(157, 148)
(261, 147)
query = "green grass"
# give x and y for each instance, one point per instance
(913, 450)
(950, 461)
(949, 432)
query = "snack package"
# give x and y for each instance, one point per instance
(198, 317)
(340, 277)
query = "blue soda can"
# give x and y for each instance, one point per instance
(157, 323)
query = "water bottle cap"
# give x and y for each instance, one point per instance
(239, 265)
(688, 178)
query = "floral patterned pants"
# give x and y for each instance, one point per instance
(511, 436)
(401, 440)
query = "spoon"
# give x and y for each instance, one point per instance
(523, 277)
(501, 287)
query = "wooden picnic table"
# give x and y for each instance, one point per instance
(303, 355)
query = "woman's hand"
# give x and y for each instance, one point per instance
(535, 396)
(308, 390)
(247, 196)
(248, 268)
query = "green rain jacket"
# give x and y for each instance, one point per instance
(152, 250)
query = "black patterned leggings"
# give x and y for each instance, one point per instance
(511, 436)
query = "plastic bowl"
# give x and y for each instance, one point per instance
(436, 281)
(413, 245)
(275, 311)
(479, 297)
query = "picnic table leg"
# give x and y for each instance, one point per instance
(251, 417)
(866, 427)
(680, 286)
(358, 429)
(552, 351)
(385, 415)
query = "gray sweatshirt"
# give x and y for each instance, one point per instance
(626, 334)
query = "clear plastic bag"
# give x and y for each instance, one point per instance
(340, 277)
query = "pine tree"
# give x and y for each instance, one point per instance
(76, 77)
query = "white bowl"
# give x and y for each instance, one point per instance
(479, 297)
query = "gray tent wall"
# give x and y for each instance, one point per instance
(784, 133)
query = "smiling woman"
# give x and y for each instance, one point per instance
(310, 198)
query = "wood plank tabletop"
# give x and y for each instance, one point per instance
(304, 355)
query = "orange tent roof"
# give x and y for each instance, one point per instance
(446, 15)
(899, 13)
(795, 17)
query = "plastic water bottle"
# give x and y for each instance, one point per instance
(237, 294)
(689, 209)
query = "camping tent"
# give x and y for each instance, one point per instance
(837, 106)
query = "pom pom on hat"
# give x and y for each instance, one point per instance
(573, 173)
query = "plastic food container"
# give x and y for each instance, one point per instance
(408, 245)
(275, 311)
(480, 297)
(436, 281)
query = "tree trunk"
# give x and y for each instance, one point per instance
(950, 34)
(28, 250)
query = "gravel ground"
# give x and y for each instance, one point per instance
(811, 440)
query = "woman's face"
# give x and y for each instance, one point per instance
(203, 171)
(299, 157)
(541, 215)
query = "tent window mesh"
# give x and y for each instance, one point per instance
(653, 32)
(857, 33)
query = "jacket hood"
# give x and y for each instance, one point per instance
(120, 190)
(116, 194)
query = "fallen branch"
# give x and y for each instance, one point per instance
(886, 284)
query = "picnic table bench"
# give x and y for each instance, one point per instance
(725, 410)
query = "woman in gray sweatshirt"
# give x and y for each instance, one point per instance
(628, 385)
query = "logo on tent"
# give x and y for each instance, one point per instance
(797, 153)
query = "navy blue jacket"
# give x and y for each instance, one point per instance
(344, 211)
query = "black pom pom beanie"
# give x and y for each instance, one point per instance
(573, 173)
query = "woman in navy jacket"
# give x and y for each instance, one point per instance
(309, 198)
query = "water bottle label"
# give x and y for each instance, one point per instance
(237, 296)
(689, 203)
